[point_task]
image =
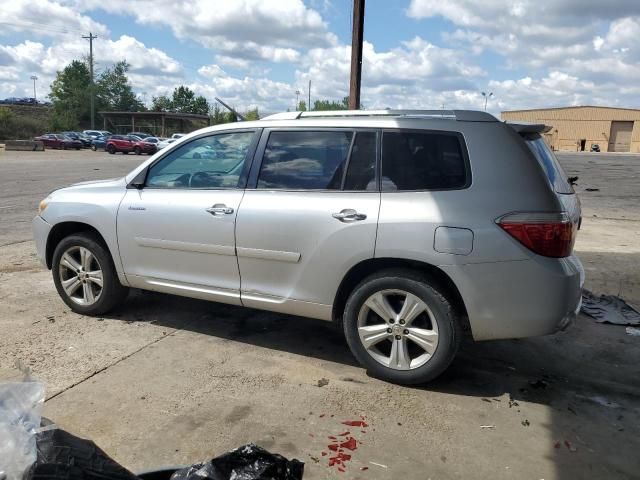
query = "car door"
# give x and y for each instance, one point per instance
(176, 230)
(309, 215)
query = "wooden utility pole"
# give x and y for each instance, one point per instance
(356, 54)
(91, 38)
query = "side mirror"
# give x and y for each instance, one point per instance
(138, 180)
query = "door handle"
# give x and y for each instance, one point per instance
(219, 209)
(349, 215)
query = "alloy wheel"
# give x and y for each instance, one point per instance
(81, 275)
(398, 329)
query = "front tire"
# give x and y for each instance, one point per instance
(111, 149)
(137, 150)
(401, 327)
(85, 276)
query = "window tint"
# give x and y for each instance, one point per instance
(422, 161)
(216, 161)
(549, 163)
(305, 160)
(361, 172)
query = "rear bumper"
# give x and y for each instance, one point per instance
(41, 231)
(519, 299)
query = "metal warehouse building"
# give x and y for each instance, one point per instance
(577, 128)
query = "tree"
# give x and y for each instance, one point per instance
(252, 114)
(331, 105)
(70, 96)
(184, 100)
(114, 91)
(161, 103)
(302, 106)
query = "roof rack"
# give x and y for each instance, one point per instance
(460, 115)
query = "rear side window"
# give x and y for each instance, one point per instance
(305, 160)
(549, 163)
(423, 161)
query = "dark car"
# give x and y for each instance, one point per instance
(99, 143)
(595, 147)
(57, 140)
(85, 139)
(141, 135)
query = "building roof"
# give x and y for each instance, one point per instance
(571, 108)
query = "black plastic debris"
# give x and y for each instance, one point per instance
(249, 462)
(63, 456)
(609, 309)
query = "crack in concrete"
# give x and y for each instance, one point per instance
(106, 367)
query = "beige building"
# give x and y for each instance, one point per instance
(577, 128)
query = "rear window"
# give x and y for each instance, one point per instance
(549, 164)
(423, 161)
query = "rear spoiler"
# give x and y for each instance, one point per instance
(524, 127)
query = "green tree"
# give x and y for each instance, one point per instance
(114, 91)
(161, 103)
(302, 106)
(252, 114)
(184, 100)
(70, 96)
(331, 105)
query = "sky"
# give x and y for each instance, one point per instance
(418, 54)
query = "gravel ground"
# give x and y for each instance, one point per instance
(167, 380)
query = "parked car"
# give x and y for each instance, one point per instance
(176, 136)
(148, 146)
(97, 133)
(140, 135)
(99, 143)
(595, 147)
(403, 227)
(84, 139)
(57, 140)
(120, 143)
(165, 143)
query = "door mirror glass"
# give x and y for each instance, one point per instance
(215, 161)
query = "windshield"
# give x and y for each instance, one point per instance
(549, 163)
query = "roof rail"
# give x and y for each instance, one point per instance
(460, 115)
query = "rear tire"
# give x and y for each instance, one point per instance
(85, 276)
(404, 343)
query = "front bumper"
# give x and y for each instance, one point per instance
(519, 299)
(41, 231)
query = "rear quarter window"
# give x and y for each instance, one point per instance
(549, 163)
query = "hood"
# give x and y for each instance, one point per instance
(109, 182)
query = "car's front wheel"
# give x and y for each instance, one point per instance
(85, 276)
(111, 149)
(401, 327)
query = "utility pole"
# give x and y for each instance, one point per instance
(297, 103)
(91, 37)
(309, 104)
(34, 78)
(356, 54)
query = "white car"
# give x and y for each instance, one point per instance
(176, 136)
(165, 143)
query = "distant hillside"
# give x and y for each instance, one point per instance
(18, 122)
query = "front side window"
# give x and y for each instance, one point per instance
(216, 161)
(305, 160)
(423, 161)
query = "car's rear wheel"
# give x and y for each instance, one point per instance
(137, 150)
(401, 327)
(111, 149)
(85, 276)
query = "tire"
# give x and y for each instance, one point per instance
(111, 149)
(438, 318)
(137, 150)
(105, 298)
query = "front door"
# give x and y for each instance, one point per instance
(310, 217)
(176, 234)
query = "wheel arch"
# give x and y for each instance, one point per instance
(62, 230)
(361, 270)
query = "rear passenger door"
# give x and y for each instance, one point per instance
(309, 214)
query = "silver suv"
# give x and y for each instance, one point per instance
(403, 227)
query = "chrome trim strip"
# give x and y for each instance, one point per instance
(185, 246)
(277, 255)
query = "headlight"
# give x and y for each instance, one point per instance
(43, 205)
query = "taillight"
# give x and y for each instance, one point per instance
(547, 234)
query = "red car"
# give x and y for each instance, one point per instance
(56, 140)
(129, 143)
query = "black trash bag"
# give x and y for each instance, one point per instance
(62, 456)
(249, 462)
